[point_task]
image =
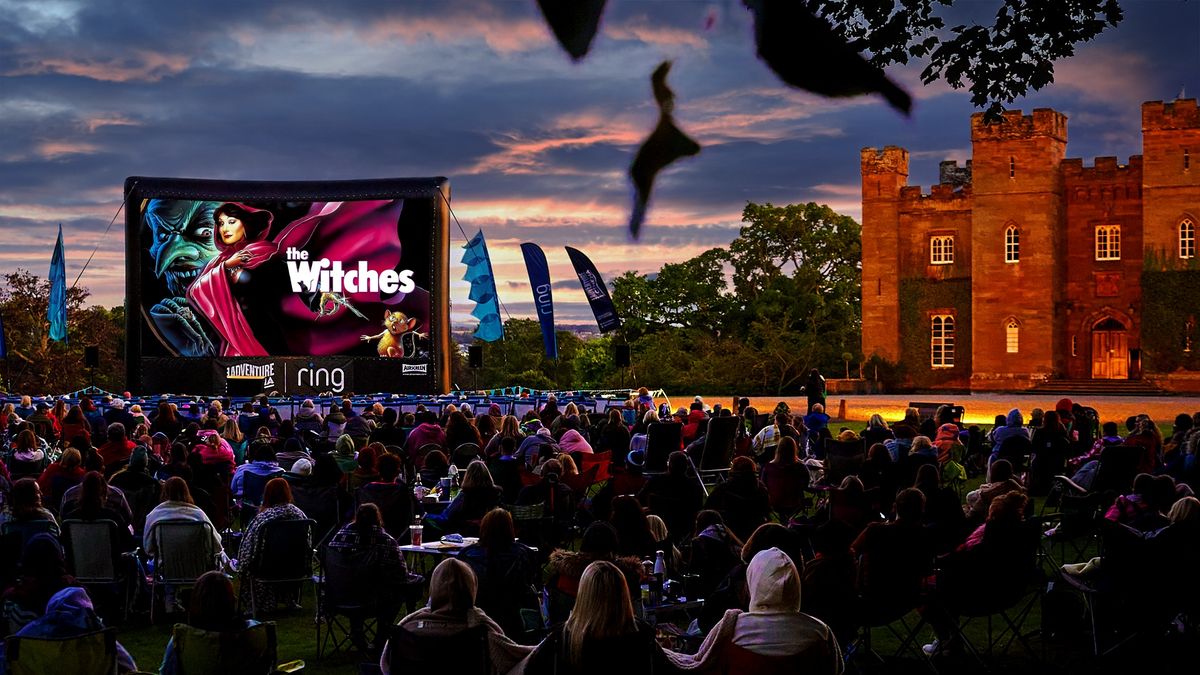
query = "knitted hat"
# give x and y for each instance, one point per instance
(302, 467)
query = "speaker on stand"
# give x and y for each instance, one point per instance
(475, 363)
(622, 360)
(91, 361)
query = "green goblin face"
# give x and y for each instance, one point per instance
(182, 240)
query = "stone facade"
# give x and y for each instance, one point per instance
(1045, 276)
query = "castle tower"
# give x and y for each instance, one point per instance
(1016, 290)
(1170, 175)
(884, 172)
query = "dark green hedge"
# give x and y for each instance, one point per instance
(917, 297)
(1168, 299)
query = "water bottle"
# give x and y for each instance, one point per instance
(660, 566)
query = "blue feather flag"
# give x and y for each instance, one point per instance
(483, 289)
(57, 313)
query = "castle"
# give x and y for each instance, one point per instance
(1025, 266)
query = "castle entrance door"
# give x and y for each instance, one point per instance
(1110, 351)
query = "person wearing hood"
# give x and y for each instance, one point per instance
(359, 428)
(774, 636)
(691, 429)
(451, 610)
(572, 441)
(344, 453)
(335, 422)
(293, 451)
(428, 432)
(43, 572)
(1014, 427)
(307, 418)
(69, 613)
(601, 635)
(530, 448)
(949, 447)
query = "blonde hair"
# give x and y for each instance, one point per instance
(568, 465)
(658, 527)
(920, 443)
(510, 427)
(602, 609)
(571, 409)
(231, 431)
(650, 416)
(876, 421)
(477, 476)
(1186, 510)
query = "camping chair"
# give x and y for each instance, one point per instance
(410, 652)
(662, 438)
(24, 530)
(253, 487)
(843, 459)
(93, 557)
(347, 586)
(600, 461)
(287, 557)
(92, 653)
(251, 651)
(395, 504)
(718, 447)
(1079, 509)
(535, 526)
(184, 550)
(322, 505)
(464, 454)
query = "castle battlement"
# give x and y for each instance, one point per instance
(1103, 168)
(1017, 126)
(941, 192)
(1178, 114)
(890, 159)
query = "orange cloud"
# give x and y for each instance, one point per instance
(94, 122)
(139, 65)
(504, 35)
(662, 36)
(60, 149)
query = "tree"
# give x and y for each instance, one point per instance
(519, 359)
(35, 363)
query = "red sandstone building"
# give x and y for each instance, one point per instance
(1025, 266)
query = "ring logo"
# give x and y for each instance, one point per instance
(413, 368)
(266, 371)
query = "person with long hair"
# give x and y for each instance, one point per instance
(613, 436)
(60, 476)
(232, 434)
(451, 610)
(742, 499)
(510, 427)
(601, 635)
(166, 421)
(676, 496)
(633, 530)
(506, 570)
(177, 504)
(713, 552)
(365, 539)
(479, 494)
(459, 430)
(25, 505)
(26, 449)
(213, 608)
(566, 567)
(276, 506)
(367, 470)
(786, 478)
(74, 424)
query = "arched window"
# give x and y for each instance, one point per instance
(941, 250)
(1012, 336)
(1187, 238)
(1108, 242)
(1012, 244)
(941, 342)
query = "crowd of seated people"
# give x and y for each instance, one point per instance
(796, 550)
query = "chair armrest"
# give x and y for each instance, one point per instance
(1070, 485)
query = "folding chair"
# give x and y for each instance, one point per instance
(92, 653)
(843, 459)
(287, 556)
(250, 651)
(410, 652)
(464, 454)
(94, 559)
(253, 487)
(662, 438)
(718, 448)
(347, 586)
(183, 551)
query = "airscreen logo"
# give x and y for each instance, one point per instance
(414, 368)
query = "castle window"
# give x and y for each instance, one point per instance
(1012, 336)
(1012, 244)
(1012, 167)
(941, 250)
(1074, 345)
(941, 341)
(1187, 160)
(1108, 242)
(1187, 238)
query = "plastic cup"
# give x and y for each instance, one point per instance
(414, 532)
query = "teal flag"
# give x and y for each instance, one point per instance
(57, 313)
(483, 289)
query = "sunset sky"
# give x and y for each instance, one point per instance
(536, 147)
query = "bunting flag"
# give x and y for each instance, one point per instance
(57, 311)
(483, 289)
(543, 300)
(596, 291)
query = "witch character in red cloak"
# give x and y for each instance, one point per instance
(245, 293)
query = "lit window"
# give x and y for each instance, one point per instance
(941, 342)
(1187, 238)
(1012, 167)
(1187, 160)
(1012, 336)
(1108, 242)
(941, 250)
(1012, 245)
(1074, 345)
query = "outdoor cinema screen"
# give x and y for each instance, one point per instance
(299, 287)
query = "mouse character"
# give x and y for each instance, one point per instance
(396, 324)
